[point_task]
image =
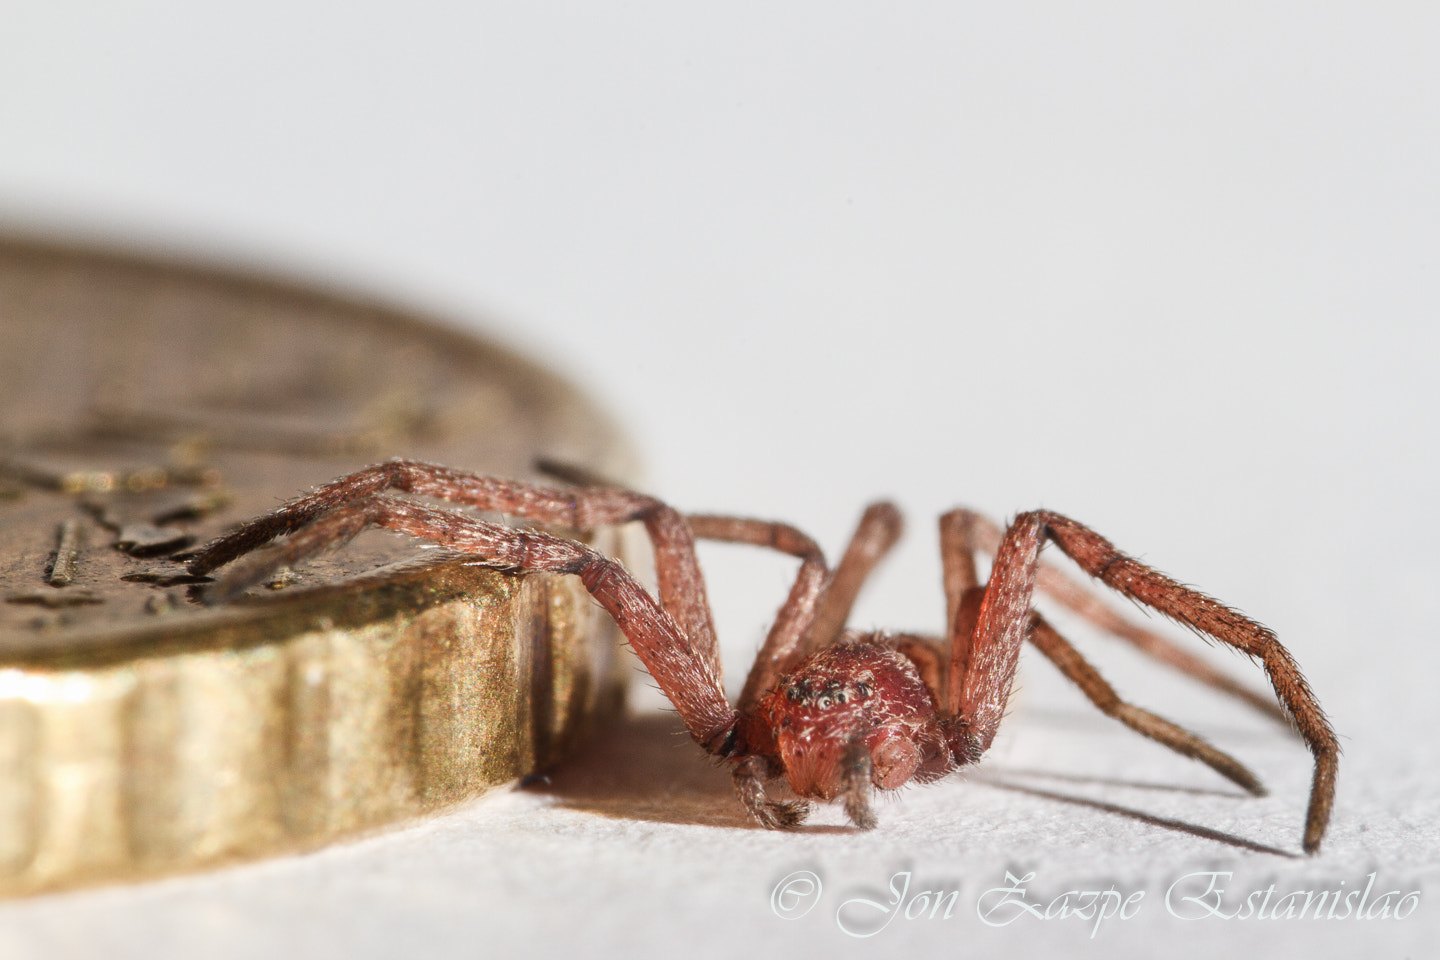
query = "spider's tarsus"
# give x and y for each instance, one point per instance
(861, 815)
(772, 814)
(786, 813)
(1254, 787)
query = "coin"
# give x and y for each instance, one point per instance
(148, 406)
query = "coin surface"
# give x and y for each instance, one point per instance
(146, 407)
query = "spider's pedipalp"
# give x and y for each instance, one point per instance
(857, 771)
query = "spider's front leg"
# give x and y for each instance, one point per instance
(673, 638)
(987, 637)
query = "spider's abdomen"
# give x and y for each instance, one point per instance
(864, 693)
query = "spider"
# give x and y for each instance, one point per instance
(836, 712)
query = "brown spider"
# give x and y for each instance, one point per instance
(836, 712)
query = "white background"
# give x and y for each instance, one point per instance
(1168, 269)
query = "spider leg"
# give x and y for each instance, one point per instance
(1103, 696)
(815, 612)
(681, 586)
(750, 775)
(687, 680)
(783, 645)
(929, 656)
(978, 695)
(959, 532)
(963, 532)
(879, 529)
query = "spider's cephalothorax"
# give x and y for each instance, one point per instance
(852, 716)
(837, 714)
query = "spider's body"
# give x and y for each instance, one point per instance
(836, 713)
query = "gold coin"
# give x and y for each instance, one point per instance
(147, 406)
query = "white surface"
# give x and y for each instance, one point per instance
(1171, 270)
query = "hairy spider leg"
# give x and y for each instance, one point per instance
(879, 529)
(1080, 672)
(681, 586)
(963, 594)
(783, 644)
(984, 537)
(685, 678)
(982, 673)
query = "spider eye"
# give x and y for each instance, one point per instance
(862, 690)
(839, 696)
(793, 693)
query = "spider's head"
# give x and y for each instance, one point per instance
(851, 716)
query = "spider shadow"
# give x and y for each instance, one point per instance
(646, 768)
(1003, 780)
(1001, 776)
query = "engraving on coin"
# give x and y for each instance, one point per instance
(147, 407)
